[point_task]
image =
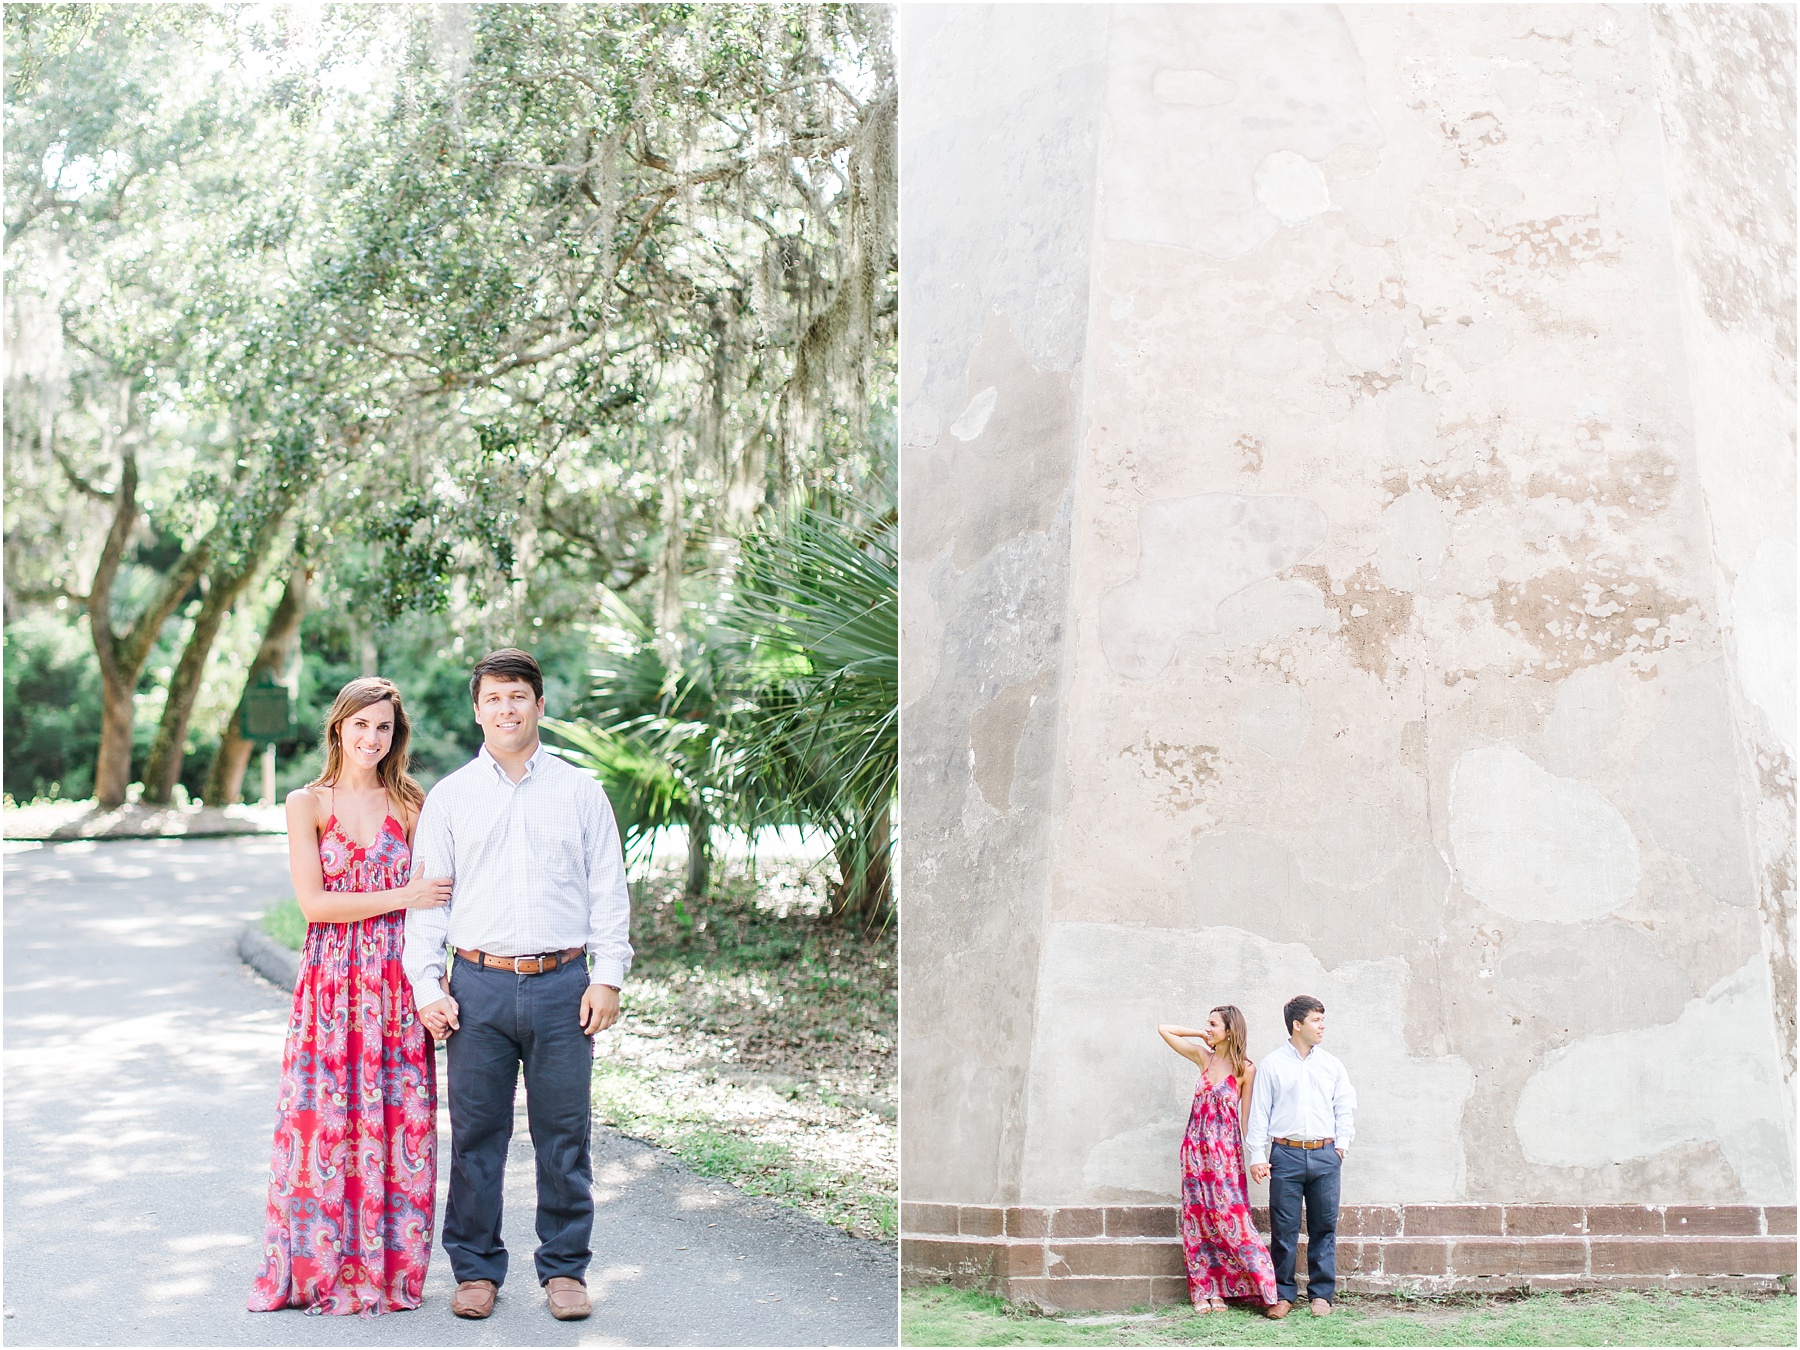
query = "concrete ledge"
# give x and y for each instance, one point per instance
(278, 964)
(1113, 1258)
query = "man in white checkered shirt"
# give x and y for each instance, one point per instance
(539, 919)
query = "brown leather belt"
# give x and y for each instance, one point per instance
(521, 965)
(1302, 1143)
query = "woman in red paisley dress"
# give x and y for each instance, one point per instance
(1225, 1257)
(353, 1180)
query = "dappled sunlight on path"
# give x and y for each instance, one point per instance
(141, 1061)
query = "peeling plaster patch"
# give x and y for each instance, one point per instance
(1370, 616)
(1688, 788)
(1108, 1101)
(1178, 774)
(1631, 1094)
(974, 418)
(1638, 481)
(1579, 619)
(1194, 88)
(1535, 846)
(1558, 244)
(1193, 553)
(1292, 188)
(1415, 538)
(994, 732)
(1272, 720)
(1762, 621)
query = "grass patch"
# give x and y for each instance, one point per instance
(945, 1316)
(286, 924)
(758, 1044)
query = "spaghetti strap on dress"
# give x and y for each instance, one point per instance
(354, 1174)
(1225, 1257)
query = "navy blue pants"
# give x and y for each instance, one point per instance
(505, 1021)
(1310, 1174)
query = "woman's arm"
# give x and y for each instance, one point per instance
(1244, 1089)
(1177, 1039)
(322, 906)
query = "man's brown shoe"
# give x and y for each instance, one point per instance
(1321, 1307)
(1278, 1310)
(473, 1298)
(568, 1298)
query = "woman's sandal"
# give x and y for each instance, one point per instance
(1217, 1305)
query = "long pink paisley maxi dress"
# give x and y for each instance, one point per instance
(1225, 1257)
(353, 1178)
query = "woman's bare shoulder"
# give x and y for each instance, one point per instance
(307, 802)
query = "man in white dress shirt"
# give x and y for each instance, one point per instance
(1304, 1108)
(539, 919)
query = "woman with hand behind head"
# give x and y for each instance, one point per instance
(1225, 1257)
(354, 1174)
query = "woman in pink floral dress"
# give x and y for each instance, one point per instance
(1225, 1257)
(353, 1179)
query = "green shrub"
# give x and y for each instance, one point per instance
(52, 717)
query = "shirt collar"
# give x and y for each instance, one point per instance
(531, 765)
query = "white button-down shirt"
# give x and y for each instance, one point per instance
(536, 867)
(1297, 1098)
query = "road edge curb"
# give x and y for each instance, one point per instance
(267, 957)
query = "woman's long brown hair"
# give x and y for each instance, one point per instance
(392, 771)
(1234, 1045)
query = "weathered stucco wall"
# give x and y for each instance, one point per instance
(995, 278)
(1428, 640)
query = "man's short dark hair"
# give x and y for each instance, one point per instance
(1298, 1009)
(509, 664)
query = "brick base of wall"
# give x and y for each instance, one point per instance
(1117, 1257)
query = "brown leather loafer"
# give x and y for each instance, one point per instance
(1321, 1307)
(568, 1298)
(474, 1298)
(1278, 1309)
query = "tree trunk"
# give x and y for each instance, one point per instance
(229, 580)
(112, 768)
(865, 890)
(122, 656)
(225, 780)
(699, 859)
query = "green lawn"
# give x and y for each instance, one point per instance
(961, 1317)
(286, 924)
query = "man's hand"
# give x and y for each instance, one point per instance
(439, 1017)
(599, 1008)
(1259, 1172)
(1343, 1153)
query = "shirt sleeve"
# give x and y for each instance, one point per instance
(1343, 1109)
(427, 930)
(609, 902)
(1256, 1129)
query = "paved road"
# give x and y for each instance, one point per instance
(141, 1065)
